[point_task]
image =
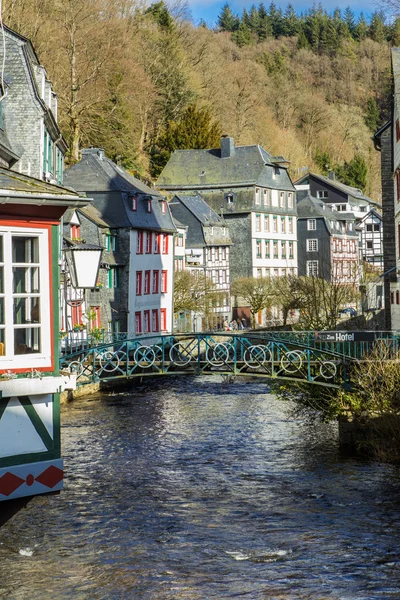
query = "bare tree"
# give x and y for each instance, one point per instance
(256, 292)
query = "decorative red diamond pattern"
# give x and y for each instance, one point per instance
(50, 477)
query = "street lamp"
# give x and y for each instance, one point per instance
(83, 263)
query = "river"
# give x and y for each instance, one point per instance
(197, 489)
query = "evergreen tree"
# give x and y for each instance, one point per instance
(276, 20)
(377, 29)
(194, 129)
(227, 21)
(290, 23)
(372, 115)
(361, 29)
(254, 19)
(160, 13)
(242, 36)
(353, 173)
(349, 19)
(264, 29)
(323, 160)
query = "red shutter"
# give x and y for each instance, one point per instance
(163, 319)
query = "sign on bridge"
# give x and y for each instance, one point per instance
(344, 336)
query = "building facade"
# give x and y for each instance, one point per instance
(255, 195)
(208, 246)
(134, 224)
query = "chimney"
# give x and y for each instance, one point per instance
(227, 146)
(97, 151)
(331, 175)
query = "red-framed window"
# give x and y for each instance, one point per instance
(139, 278)
(165, 243)
(156, 279)
(149, 206)
(95, 321)
(398, 239)
(163, 207)
(76, 315)
(146, 321)
(154, 320)
(163, 319)
(139, 242)
(75, 232)
(164, 282)
(138, 322)
(134, 203)
(397, 297)
(157, 243)
(147, 282)
(148, 242)
(397, 130)
(391, 297)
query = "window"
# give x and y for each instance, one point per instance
(267, 249)
(258, 198)
(266, 223)
(391, 297)
(95, 321)
(377, 227)
(24, 296)
(134, 203)
(275, 246)
(179, 265)
(312, 245)
(259, 273)
(370, 245)
(113, 277)
(322, 194)
(229, 198)
(148, 242)
(290, 228)
(267, 197)
(147, 282)
(139, 277)
(138, 322)
(156, 277)
(164, 282)
(311, 224)
(397, 130)
(275, 224)
(224, 253)
(111, 242)
(165, 244)
(343, 207)
(369, 227)
(139, 242)
(258, 222)
(179, 241)
(163, 207)
(163, 319)
(290, 199)
(397, 297)
(276, 272)
(157, 244)
(283, 249)
(291, 250)
(267, 272)
(76, 232)
(282, 199)
(149, 206)
(154, 320)
(258, 248)
(363, 209)
(146, 321)
(312, 268)
(275, 172)
(283, 225)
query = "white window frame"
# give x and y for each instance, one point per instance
(11, 360)
(312, 245)
(311, 224)
(322, 194)
(312, 268)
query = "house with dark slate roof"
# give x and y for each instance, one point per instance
(254, 193)
(136, 228)
(30, 139)
(208, 247)
(327, 242)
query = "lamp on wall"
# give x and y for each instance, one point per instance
(83, 262)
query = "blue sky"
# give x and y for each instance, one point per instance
(210, 9)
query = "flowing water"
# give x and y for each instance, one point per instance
(196, 489)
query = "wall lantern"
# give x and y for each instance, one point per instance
(83, 264)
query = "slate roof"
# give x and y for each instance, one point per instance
(313, 208)
(35, 191)
(200, 209)
(200, 169)
(347, 189)
(112, 189)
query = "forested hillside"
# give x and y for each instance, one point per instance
(140, 81)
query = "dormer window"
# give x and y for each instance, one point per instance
(163, 207)
(229, 198)
(134, 203)
(149, 206)
(275, 172)
(76, 232)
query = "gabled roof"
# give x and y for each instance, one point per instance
(347, 189)
(96, 172)
(313, 208)
(200, 209)
(113, 190)
(372, 211)
(200, 169)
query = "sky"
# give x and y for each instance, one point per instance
(210, 9)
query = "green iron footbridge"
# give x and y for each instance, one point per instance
(319, 358)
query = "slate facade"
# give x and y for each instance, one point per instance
(138, 222)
